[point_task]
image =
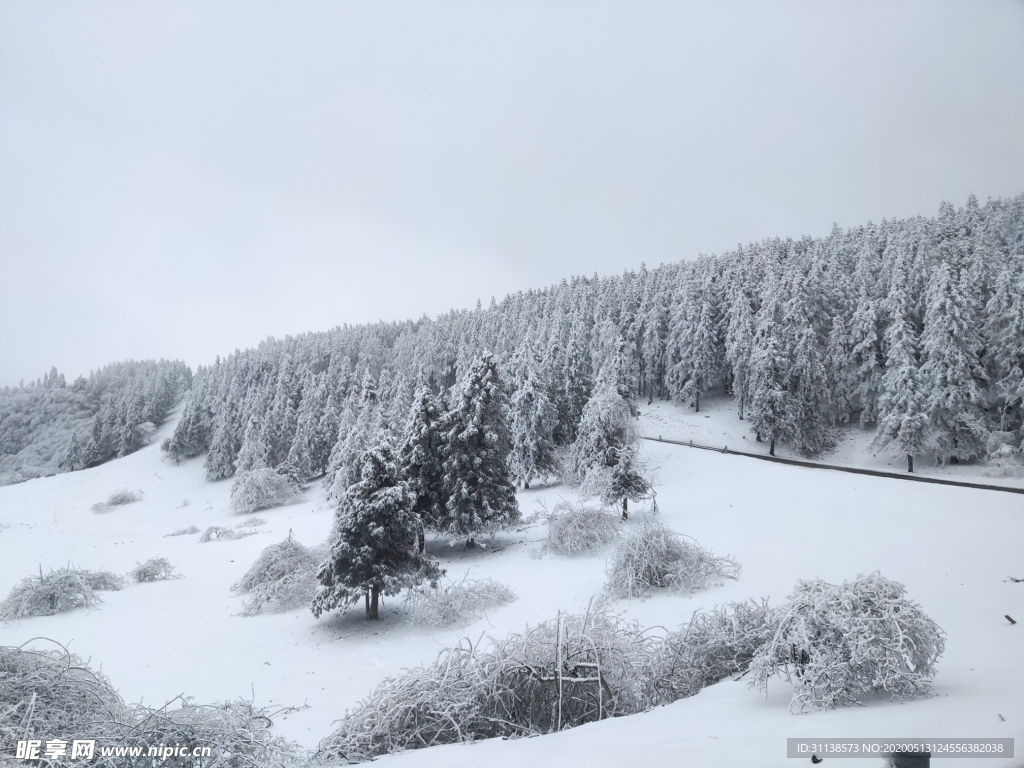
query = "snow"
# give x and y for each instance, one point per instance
(718, 425)
(953, 548)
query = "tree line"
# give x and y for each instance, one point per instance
(50, 426)
(913, 327)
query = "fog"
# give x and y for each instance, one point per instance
(178, 179)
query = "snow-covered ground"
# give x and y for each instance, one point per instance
(953, 548)
(718, 425)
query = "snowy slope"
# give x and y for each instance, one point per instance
(718, 425)
(953, 548)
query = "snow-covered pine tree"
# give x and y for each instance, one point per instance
(1004, 347)
(603, 456)
(421, 458)
(807, 386)
(533, 421)
(73, 458)
(901, 408)
(254, 453)
(952, 371)
(866, 364)
(770, 412)
(477, 485)
(356, 433)
(373, 547)
(739, 343)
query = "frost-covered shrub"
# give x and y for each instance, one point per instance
(455, 604)
(183, 531)
(252, 522)
(1004, 458)
(261, 489)
(154, 569)
(284, 575)
(117, 499)
(103, 581)
(656, 556)
(57, 592)
(216, 533)
(575, 669)
(58, 694)
(575, 528)
(840, 643)
(711, 647)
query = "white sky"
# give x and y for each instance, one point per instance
(178, 179)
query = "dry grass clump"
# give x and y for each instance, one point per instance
(57, 592)
(711, 647)
(563, 673)
(457, 603)
(838, 644)
(183, 531)
(656, 556)
(575, 529)
(216, 533)
(55, 693)
(284, 576)
(154, 569)
(117, 499)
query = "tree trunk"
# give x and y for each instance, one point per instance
(526, 485)
(625, 509)
(421, 536)
(771, 447)
(910, 462)
(696, 400)
(366, 596)
(758, 435)
(374, 602)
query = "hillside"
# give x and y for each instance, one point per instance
(158, 640)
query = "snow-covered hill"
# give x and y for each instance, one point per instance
(953, 548)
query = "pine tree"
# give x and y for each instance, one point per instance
(770, 411)
(373, 547)
(604, 453)
(533, 425)
(254, 453)
(356, 433)
(901, 409)
(422, 458)
(952, 372)
(73, 459)
(477, 486)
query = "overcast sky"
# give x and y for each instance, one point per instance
(178, 179)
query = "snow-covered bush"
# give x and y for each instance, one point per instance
(284, 575)
(102, 581)
(838, 644)
(117, 499)
(575, 528)
(572, 670)
(456, 603)
(655, 556)
(712, 646)
(216, 533)
(183, 531)
(1004, 458)
(58, 591)
(252, 522)
(261, 489)
(60, 695)
(154, 569)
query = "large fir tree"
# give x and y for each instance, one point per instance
(477, 485)
(374, 545)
